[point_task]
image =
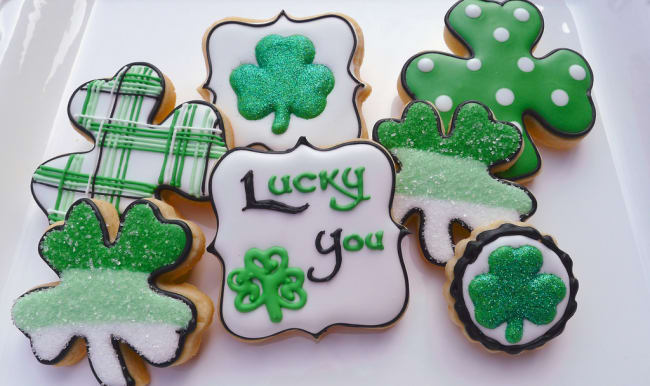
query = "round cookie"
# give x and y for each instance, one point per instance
(548, 98)
(121, 291)
(143, 145)
(447, 179)
(307, 241)
(285, 78)
(510, 288)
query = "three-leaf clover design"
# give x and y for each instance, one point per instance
(447, 177)
(107, 292)
(514, 290)
(548, 97)
(285, 81)
(267, 281)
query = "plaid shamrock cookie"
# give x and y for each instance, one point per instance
(142, 146)
(548, 98)
(510, 288)
(121, 296)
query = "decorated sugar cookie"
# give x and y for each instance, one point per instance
(547, 97)
(142, 146)
(306, 239)
(510, 288)
(446, 178)
(120, 297)
(281, 79)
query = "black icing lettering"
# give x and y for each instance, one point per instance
(252, 203)
(338, 255)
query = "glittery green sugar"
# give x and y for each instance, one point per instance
(513, 290)
(143, 244)
(474, 135)
(284, 82)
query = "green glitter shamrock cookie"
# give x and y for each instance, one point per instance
(143, 145)
(120, 297)
(447, 178)
(548, 98)
(284, 78)
(510, 287)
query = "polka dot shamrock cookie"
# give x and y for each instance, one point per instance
(510, 288)
(121, 296)
(307, 240)
(548, 98)
(281, 79)
(447, 178)
(143, 145)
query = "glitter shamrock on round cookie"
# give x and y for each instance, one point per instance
(547, 97)
(285, 81)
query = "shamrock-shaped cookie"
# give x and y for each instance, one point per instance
(284, 78)
(270, 283)
(142, 147)
(286, 81)
(447, 178)
(547, 97)
(120, 291)
(510, 288)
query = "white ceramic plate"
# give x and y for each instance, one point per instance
(588, 199)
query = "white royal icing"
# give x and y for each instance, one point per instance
(158, 343)
(425, 65)
(473, 11)
(368, 290)
(233, 44)
(577, 72)
(474, 64)
(525, 64)
(501, 34)
(439, 213)
(560, 97)
(521, 14)
(552, 264)
(505, 96)
(443, 103)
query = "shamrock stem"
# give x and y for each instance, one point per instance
(514, 330)
(281, 120)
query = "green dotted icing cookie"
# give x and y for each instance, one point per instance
(502, 73)
(511, 287)
(446, 177)
(107, 291)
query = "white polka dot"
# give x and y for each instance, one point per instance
(560, 97)
(473, 11)
(425, 65)
(505, 96)
(474, 64)
(521, 14)
(525, 64)
(577, 72)
(443, 103)
(501, 34)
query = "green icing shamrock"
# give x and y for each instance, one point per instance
(286, 82)
(447, 177)
(281, 286)
(105, 288)
(501, 72)
(513, 290)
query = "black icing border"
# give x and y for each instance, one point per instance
(471, 253)
(542, 121)
(163, 187)
(264, 23)
(302, 141)
(183, 333)
(422, 223)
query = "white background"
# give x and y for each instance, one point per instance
(592, 198)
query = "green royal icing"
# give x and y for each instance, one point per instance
(493, 75)
(513, 290)
(105, 284)
(285, 81)
(353, 242)
(453, 167)
(265, 281)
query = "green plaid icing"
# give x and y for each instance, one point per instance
(133, 157)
